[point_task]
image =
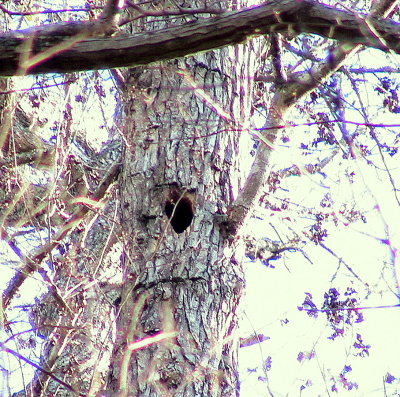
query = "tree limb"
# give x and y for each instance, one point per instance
(71, 46)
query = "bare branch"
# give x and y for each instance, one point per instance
(111, 15)
(253, 339)
(285, 97)
(295, 170)
(276, 55)
(71, 46)
(40, 157)
(38, 367)
(32, 263)
(28, 13)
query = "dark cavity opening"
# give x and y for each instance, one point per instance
(179, 210)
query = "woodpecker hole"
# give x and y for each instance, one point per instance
(179, 210)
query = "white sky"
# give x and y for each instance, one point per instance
(274, 294)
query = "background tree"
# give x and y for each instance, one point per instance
(155, 261)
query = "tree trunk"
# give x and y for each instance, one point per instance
(181, 283)
(186, 282)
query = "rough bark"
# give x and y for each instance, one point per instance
(77, 46)
(189, 283)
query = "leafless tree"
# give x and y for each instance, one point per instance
(136, 244)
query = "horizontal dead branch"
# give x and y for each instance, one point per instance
(73, 46)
